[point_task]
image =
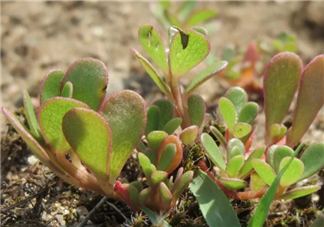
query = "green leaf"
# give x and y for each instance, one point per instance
(126, 116)
(67, 90)
(277, 132)
(264, 170)
(201, 16)
(152, 43)
(166, 196)
(293, 173)
(90, 79)
(173, 20)
(234, 165)
(313, 159)
(202, 31)
(50, 117)
(189, 135)
(158, 176)
(151, 154)
(256, 182)
(89, 135)
(183, 184)
(228, 112)
(172, 125)
(153, 119)
(188, 48)
(165, 4)
(232, 183)
(238, 97)
(279, 153)
(146, 165)
(300, 192)
(196, 109)
(310, 99)
(248, 113)
(205, 75)
(235, 147)
(33, 144)
(50, 86)
(270, 155)
(241, 130)
(212, 151)
(171, 139)
(167, 156)
(166, 110)
(144, 195)
(281, 80)
(318, 222)
(261, 212)
(154, 217)
(185, 9)
(215, 206)
(219, 136)
(31, 117)
(149, 68)
(155, 139)
(247, 167)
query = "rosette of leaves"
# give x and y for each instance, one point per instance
(299, 169)
(162, 156)
(81, 136)
(186, 49)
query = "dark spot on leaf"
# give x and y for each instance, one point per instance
(149, 34)
(184, 39)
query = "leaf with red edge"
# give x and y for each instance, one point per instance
(166, 196)
(126, 116)
(310, 99)
(280, 83)
(50, 117)
(90, 79)
(171, 139)
(50, 86)
(189, 135)
(89, 135)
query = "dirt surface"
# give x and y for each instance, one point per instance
(39, 36)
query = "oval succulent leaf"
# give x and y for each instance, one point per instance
(67, 90)
(293, 173)
(50, 86)
(300, 192)
(313, 159)
(50, 117)
(166, 196)
(149, 68)
(309, 101)
(90, 79)
(247, 167)
(31, 117)
(146, 164)
(189, 135)
(152, 43)
(171, 139)
(158, 176)
(172, 125)
(234, 165)
(280, 83)
(89, 135)
(166, 110)
(241, 130)
(153, 119)
(277, 132)
(167, 157)
(126, 116)
(188, 48)
(264, 170)
(256, 182)
(238, 97)
(212, 151)
(201, 16)
(155, 139)
(270, 155)
(144, 195)
(235, 147)
(228, 112)
(280, 153)
(151, 154)
(248, 113)
(196, 109)
(232, 183)
(205, 75)
(183, 183)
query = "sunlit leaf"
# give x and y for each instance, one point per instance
(166, 196)
(281, 80)
(293, 173)
(248, 113)
(313, 159)
(228, 112)
(234, 165)
(300, 192)
(172, 125)
(279, 153)
(167, 156)
(238, 97)
(189, 135)
(201, 16)
(235, 147)
(247, 167)
(310, 99)
(196, 109)
(155, 139)
(90, 79)
(183, 183)
(256, 182)
(158, 176)
(232, 183)
(264, 170)
(241, 130)
(186, 8)
(67, 90)
(146, 164)
(50, 86)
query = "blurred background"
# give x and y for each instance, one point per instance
(39, 36)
